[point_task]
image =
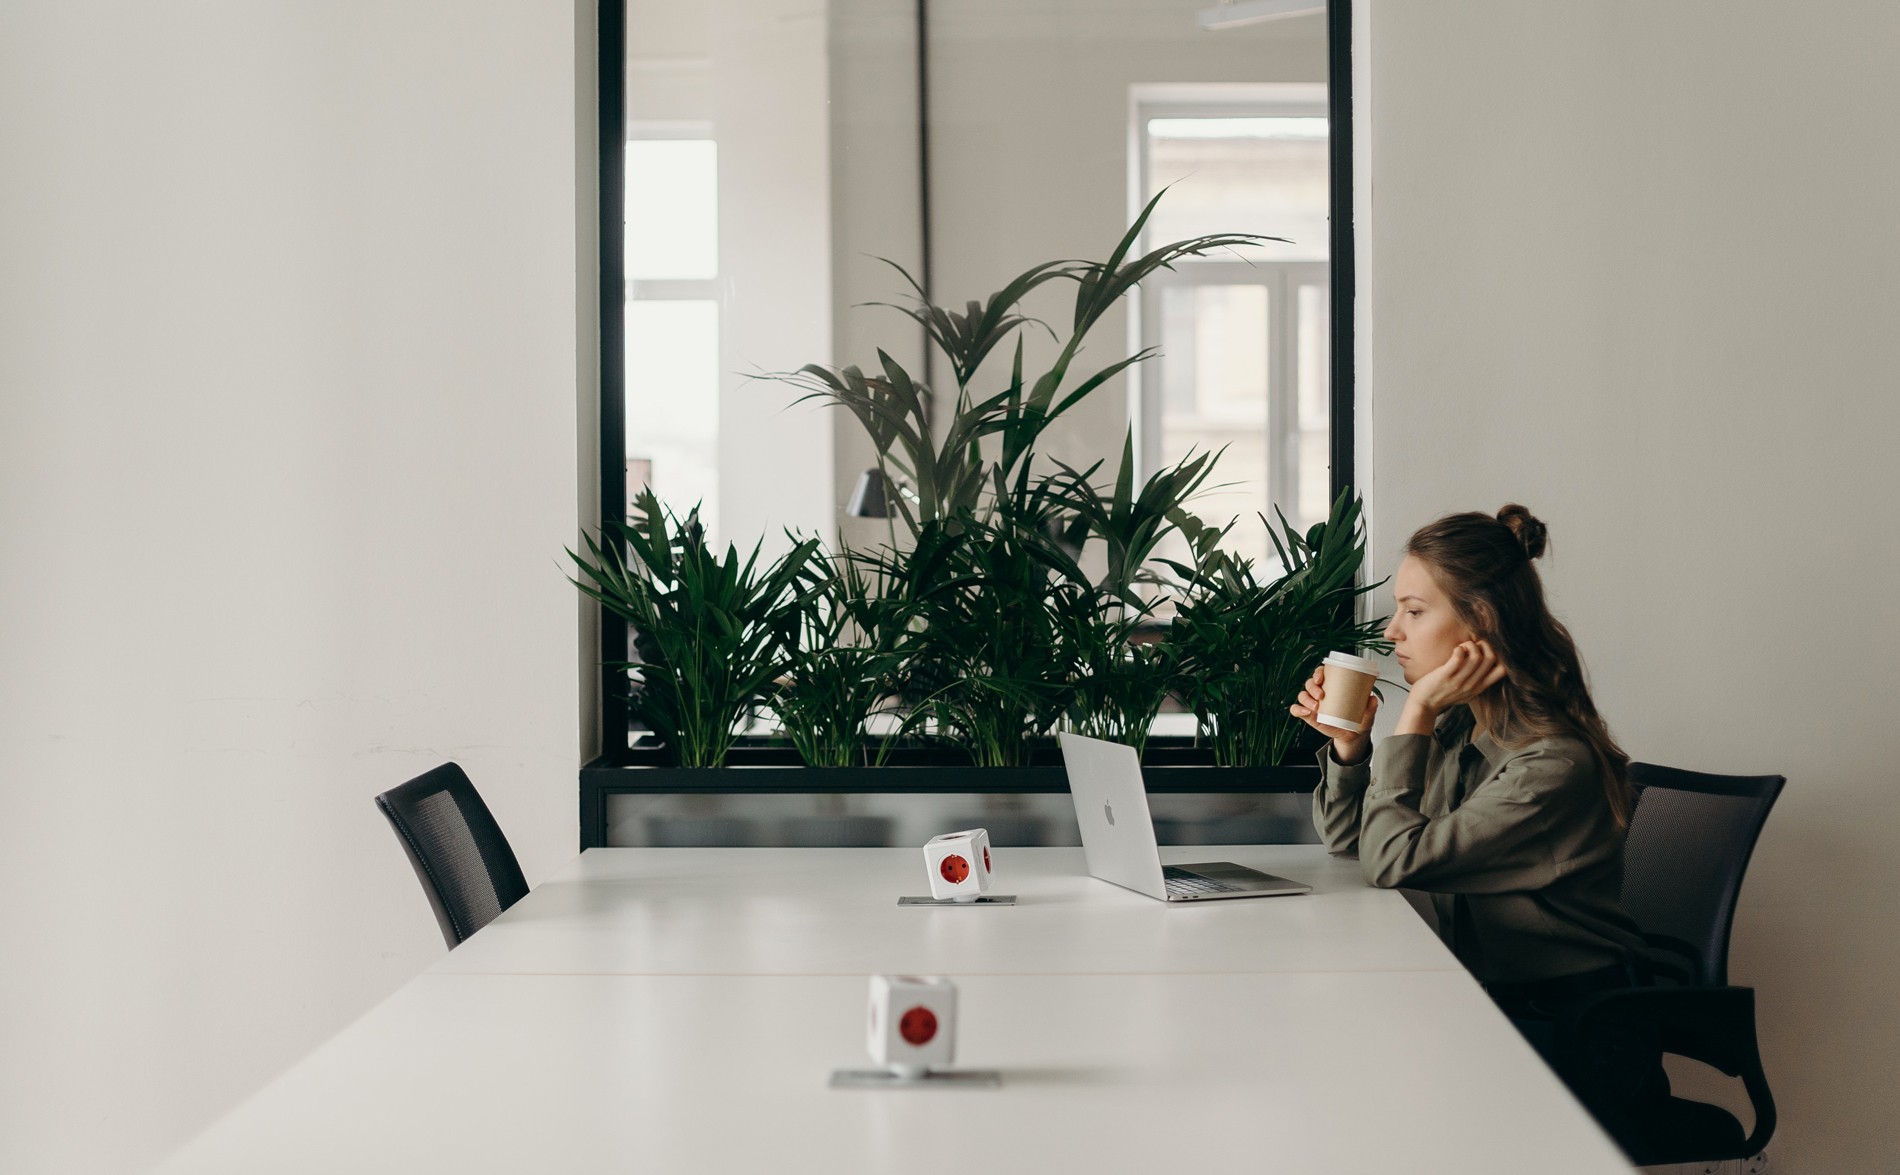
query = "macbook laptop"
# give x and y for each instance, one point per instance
(1118, 835)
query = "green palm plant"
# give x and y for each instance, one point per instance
(845, 665)
(950, 474)
(984, 659)
(983, 624)
(1132, 524)
(711, 632)
(1121, 682)
(1244, 646)
(1003, 623)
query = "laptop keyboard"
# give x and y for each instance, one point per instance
(1184, 884)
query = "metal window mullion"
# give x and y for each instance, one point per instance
(610, 212)
(1340, 255)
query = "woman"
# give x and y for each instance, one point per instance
(1500, 793)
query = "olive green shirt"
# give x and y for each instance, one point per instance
(1516, 846)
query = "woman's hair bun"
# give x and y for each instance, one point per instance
(1531, 534)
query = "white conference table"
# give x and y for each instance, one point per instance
(835, 912)
(662, 1010)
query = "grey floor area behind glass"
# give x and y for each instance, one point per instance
(834, 821)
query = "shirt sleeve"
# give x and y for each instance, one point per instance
(1496, 841)
(1337, 801)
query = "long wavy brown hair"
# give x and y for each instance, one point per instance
(1485, 565)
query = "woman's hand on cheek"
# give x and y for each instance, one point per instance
(1472, 668)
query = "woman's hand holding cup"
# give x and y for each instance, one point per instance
(1348, 746)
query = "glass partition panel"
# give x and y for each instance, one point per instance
(784, 158)
(874, 820)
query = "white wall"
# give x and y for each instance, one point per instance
(756, 73)
(874, 215)
(773, 126)
(287, 454)
(288, 435)
(1636, 266)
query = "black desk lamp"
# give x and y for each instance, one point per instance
(872, 496)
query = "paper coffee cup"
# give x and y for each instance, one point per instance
(1349, 680)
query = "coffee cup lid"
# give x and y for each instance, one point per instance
(1353, 662)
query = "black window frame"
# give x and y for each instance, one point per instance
(612, 136)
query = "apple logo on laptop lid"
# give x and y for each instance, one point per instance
(1109, 811)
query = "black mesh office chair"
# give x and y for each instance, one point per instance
(1690, 840)
(1689, 844)
(460, 855)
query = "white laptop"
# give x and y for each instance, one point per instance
(1118, 835)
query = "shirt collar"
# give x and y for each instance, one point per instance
(1457, 725)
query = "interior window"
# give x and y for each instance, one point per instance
(673, 317)
(1242, 364)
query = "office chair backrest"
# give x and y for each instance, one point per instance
(460, 855)
(1690, 839)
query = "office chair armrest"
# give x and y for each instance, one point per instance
(1605, 1034)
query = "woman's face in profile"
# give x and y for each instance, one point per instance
(1424, 629)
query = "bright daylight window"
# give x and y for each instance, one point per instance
(1243, 362)
(673, 317)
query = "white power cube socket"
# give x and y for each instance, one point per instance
(958, 865)
(913, 1023)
